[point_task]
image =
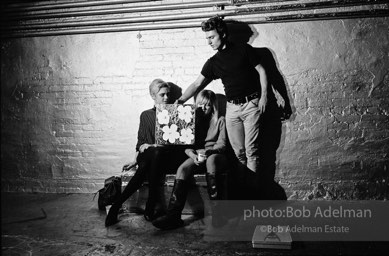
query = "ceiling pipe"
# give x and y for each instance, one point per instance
(316, 16)
(141, 19)
(196, 23)
(111, 29)
(238, 2)
(63, 5)
(163, 7)
(193, 15)
(122, 10)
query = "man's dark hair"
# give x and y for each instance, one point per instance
(216, 23)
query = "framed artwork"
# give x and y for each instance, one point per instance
(175, 124)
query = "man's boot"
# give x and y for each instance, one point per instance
(216, 189)
(177, 201)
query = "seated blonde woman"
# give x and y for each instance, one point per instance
(152, 160)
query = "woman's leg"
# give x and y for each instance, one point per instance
(216, 176)
(216, 163)
(155, 175)
(217, 186)
(172, 219)
(133, 185)
(186, 169)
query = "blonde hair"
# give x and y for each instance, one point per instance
(156, 85)
(208, 96)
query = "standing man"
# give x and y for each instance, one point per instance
(245, 86)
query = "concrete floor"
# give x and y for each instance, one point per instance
(71, 224)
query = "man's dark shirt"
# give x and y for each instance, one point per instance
(235, 66)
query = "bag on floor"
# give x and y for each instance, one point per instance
(110, 192)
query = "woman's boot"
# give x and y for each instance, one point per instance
(215, 191)
(133, 185)
(177, 201)
(155, 205)
(112, 217)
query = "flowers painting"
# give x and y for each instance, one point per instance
(175, 124)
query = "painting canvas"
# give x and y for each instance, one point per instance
(175, 124)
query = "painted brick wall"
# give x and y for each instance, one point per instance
(70, 105)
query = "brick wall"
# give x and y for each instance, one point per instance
(70, 104)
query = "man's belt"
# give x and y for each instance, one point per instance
(243, 100)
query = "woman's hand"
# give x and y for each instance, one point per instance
(128, 166)
(192, 154)
(196, 162)
(145, 146)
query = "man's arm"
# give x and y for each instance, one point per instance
(198, 84)
(263, 79)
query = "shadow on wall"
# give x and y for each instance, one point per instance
(278, 109)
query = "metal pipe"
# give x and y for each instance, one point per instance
(63, 5)
(312, 5)
(238, 2)
(115, 10)
(195, 15)
(196, 23)
(92, 30)
(154, 26)
(320, 16)
(99, 22)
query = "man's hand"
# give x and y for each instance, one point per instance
(262, 104)
(197, 85)
(179, 101)
(263, 80)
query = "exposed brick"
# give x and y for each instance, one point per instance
(76, 125)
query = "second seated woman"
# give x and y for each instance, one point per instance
(211, 140)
